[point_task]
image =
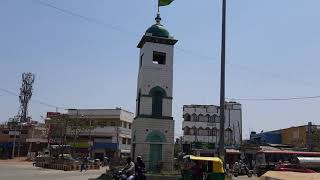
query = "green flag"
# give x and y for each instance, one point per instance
(165, 2)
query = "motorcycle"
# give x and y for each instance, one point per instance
(241, 169)
(119, 175)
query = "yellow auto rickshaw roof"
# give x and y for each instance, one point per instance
(217, 162)
(202, 158)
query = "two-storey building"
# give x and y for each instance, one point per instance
(201, 126)
(101, 132)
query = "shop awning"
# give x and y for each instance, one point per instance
(100, 145)
(80, 144)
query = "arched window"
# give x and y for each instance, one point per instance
(186, 130)
(208, 131)
(194, 131)
(187, 117)
(194, 118)
(201, 118)
(157, 94)
(201, 131)
(217, 119)
(212, 118)
(214, 131)
(208, 118)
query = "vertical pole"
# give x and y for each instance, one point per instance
(222, 81)
(118, 142)
(14, 142)
(30, 144)
(29, 151)
(90, 139)
(19, 142)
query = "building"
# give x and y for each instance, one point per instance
(37, 139)
(98, 132)
(306, 136)
(19, 136)
(299, 137)
(201, 126)
(11, 136)
(272, 137)
(153, 126)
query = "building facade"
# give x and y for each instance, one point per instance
(301, 137)
(307, 136)
(153, 126)
(21, 136)
(98, 132)
(201, 126)
(272, 137)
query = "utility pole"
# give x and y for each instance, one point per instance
(19, 142)
(222, 80)
(14, 142)
(90, 139)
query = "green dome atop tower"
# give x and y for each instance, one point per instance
(158, 30)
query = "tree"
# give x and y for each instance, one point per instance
(64, 125)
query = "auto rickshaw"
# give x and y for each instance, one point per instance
(211, 168)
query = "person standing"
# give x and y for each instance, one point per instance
(82, 163)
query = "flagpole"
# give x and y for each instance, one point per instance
(158, 7)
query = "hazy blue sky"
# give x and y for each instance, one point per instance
(273, 50)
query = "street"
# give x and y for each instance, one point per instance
(26, 171)
(245, 178)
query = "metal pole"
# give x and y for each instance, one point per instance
(90, 151)
(14, 142)
(19, 142)
(222, 81)
(30, 144)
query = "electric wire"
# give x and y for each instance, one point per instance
(274, 99)
(135, 34)
(33, 100)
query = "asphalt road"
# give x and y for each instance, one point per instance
(245, 178)
(28, 172)
(25, 171)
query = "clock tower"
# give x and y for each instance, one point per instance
(153, 126)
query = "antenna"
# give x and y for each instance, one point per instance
(25, 96)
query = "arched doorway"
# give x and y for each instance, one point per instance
(155, 138)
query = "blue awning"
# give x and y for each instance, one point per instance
(7, 145)
(98, 145)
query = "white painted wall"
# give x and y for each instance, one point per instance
(233, 120)
(151, 75)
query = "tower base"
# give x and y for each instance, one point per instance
(153, 140)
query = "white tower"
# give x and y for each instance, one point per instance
(153, 126)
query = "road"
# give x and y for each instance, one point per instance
(28, 172)
(10, 170)
(245, 178)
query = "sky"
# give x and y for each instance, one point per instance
(83, 54)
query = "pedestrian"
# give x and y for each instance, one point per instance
(82, 166)
(86, 160)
